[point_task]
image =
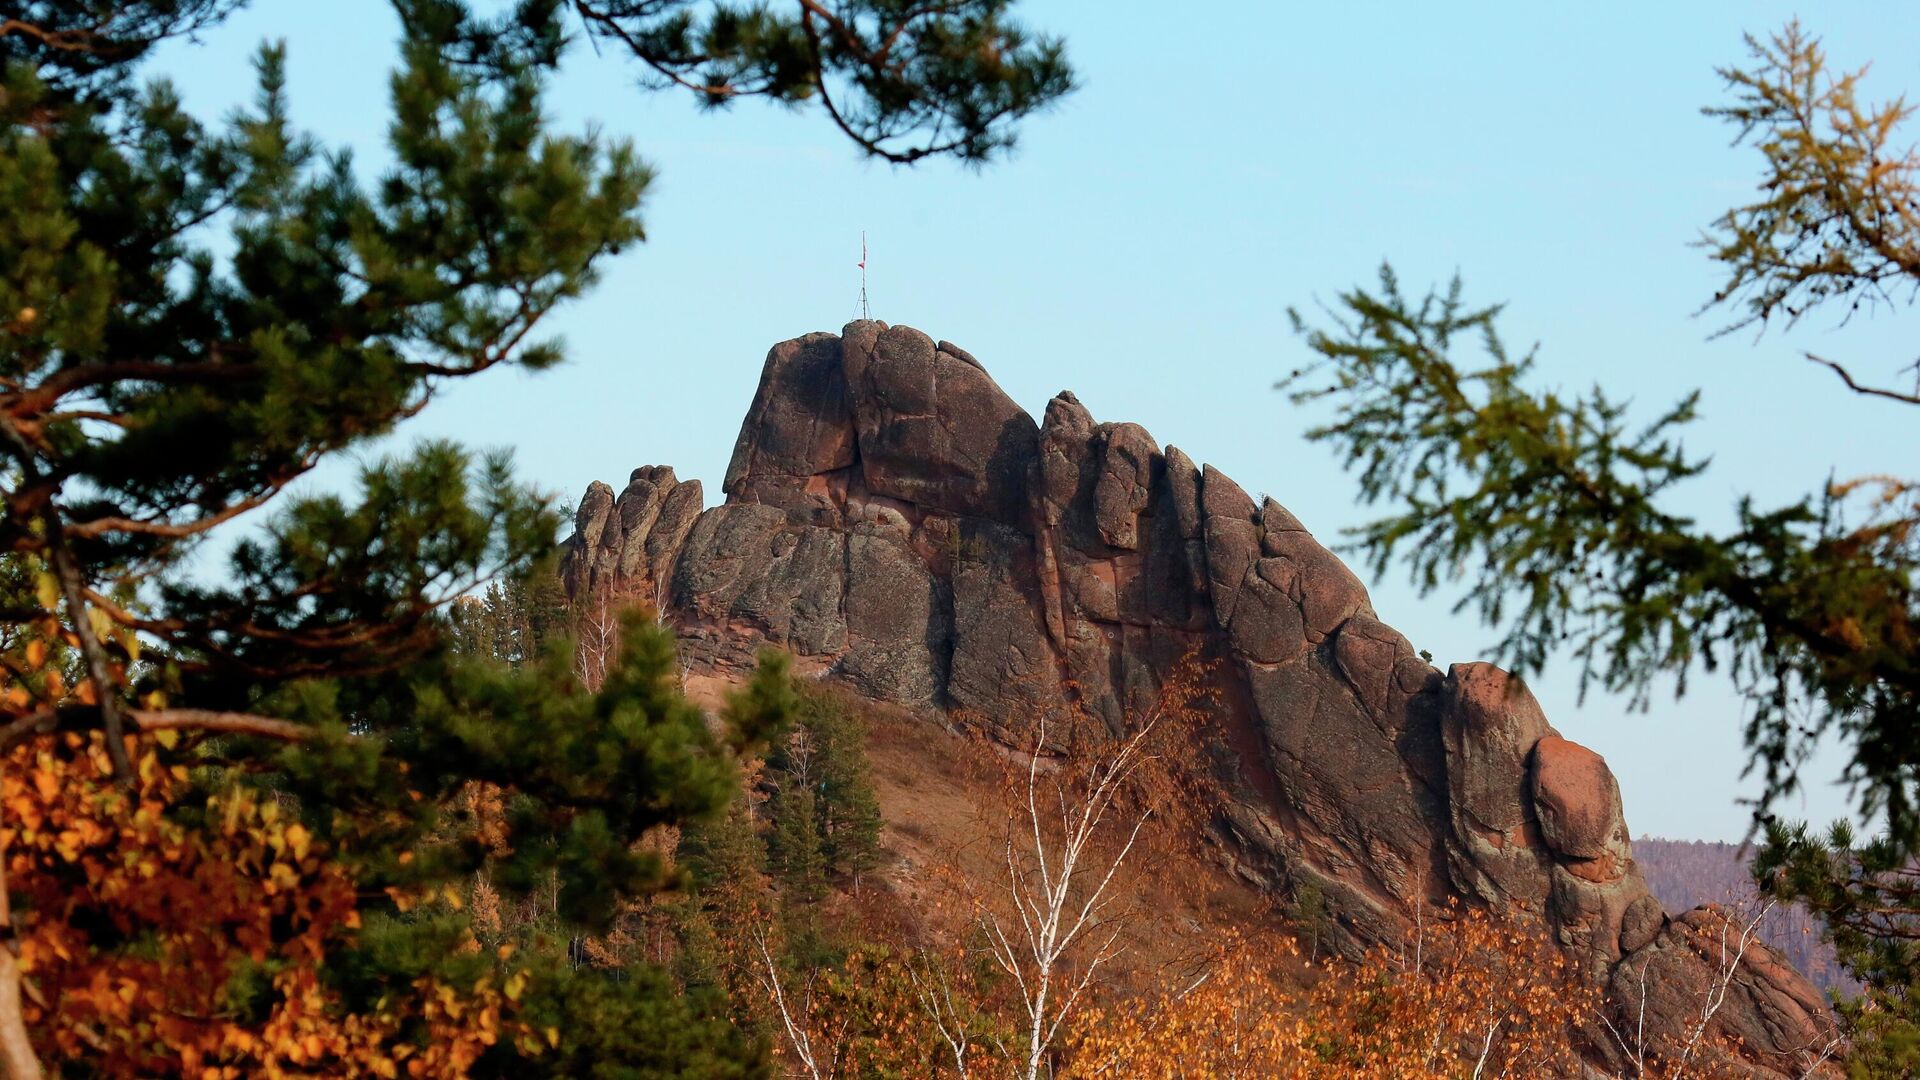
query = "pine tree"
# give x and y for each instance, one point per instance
(826, 753)
(512, 621)
(846, 808)
(1310, 915)
(796, 851)
(725, 862)
(194, 315)
(727, 901)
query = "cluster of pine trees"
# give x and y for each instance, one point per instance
(800, 829)
(270, 808)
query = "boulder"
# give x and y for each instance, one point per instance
(799, 427)
(1771, 1019)
(1577, 801)
(934, 430)
(1127, 464)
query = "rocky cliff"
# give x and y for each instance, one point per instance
(896, 521)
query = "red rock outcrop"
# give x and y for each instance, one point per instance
(896, 521)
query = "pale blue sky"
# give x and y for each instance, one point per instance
(1144, 243)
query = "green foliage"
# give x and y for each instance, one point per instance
(512, 621)
(794, 848)
(825, 816)
(1835, 221)
(1867, 894)
(904, 81)
(1310, 914)
(630, 1025)
(1551, 507)
(849, 811)
(84, 48)
(194, 314)
(1557, 514)
(725, 862)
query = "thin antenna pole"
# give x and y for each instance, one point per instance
(864, 312)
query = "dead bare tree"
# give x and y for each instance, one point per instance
(945, 1008)
(1065, 845)
(596, 629)
(1728, 965)
(1738, 930)
(795, 1017)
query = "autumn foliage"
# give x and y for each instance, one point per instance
(1469, 995)
(164, 936)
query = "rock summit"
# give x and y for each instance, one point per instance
(898, 523)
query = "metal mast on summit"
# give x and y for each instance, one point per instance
(864, 313)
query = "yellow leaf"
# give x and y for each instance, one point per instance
(46, 590)
(167, 737)
(299, 839)
(553, 1036)
(103, 627)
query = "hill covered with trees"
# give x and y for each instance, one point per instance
(1687, 873)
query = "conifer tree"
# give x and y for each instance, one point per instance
(1558, 511)
(194, 315)
(725, 862)
(512, 620)
(845, 808)
(795, 849)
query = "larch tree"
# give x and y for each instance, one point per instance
(193, 316)
(1558, 510)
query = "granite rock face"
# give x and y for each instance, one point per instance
(896, 521)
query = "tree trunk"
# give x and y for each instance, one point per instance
(16, 1051)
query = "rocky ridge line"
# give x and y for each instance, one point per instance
(896, 521)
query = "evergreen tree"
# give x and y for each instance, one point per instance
(1310, 915)
(845, 807)
(512, 621)
(795, 849)
(725, 862)
(825, 754)
(1556, 510)
(194, 315)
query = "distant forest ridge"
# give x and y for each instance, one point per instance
(1687, 873)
